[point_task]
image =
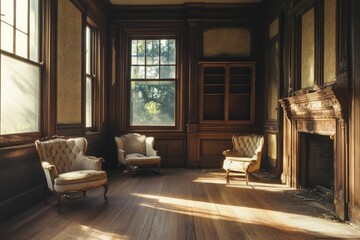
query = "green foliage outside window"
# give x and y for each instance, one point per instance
(152, 103)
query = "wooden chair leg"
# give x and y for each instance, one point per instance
(46, 194)
(127, 171)
(58, 198)
(247, 178)
(106, 186)
(227, 177)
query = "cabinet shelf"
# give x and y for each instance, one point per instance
(227, 91)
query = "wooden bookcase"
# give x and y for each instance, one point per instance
(227, 92)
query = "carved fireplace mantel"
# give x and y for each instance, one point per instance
(321, 104)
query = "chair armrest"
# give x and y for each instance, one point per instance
(233, 153)
(241, 159)
(150, 151)
(257, 155)
(92, 163)
(51, 169)
(48, 166)
(50, 174)
(226, 152)
(121, 156)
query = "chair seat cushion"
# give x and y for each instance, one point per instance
(81, 176)
(240, 166)
(135, 155)
(140, 159)
(80, 180)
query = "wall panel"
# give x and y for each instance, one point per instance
(308, 49)
(69, 63)
(22, 180)
(329, 41)
(211, 148)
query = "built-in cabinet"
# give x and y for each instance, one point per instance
(226, 107)
(227, 91)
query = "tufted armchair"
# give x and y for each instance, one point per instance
(245, 157)
(135, 150)
(67, 169)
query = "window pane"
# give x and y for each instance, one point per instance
(22, 15)
(168, 50)
(34, 31)
(138, 52)
(20, 96)
(7, 9)
(152, 103)
(88, 103)
(152, 72)
(167, 72)
(88, 50)
(21, 44)
(137, 72)
(134, 48)
(7, 37)
(152, 52)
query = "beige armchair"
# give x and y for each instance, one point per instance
(245, 157)
(67, 169)
(137, 151)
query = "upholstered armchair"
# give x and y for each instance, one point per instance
(67, 169)
(245, 157)
(137, 151)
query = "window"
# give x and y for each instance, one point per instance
(153, 81)
(20, 49)
(90, 62)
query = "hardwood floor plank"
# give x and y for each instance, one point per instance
(189, 204)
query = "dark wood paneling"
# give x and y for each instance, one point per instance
(354, 134)
(96, 145)
(70, 130)
(22, 180)
(210, 150)
(172, 151)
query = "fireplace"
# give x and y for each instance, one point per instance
(314, 144)
(316, 161)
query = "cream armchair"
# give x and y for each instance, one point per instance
(245, 157)
(67, 169)
(135, 150)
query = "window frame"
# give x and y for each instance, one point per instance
(94, 64)
(26, 137)
(176, 80)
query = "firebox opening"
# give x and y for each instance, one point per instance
(317, 163)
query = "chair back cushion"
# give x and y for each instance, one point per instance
(63, 153)
(248, 145)
(134, 143)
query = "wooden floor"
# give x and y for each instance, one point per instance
(180, 204)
